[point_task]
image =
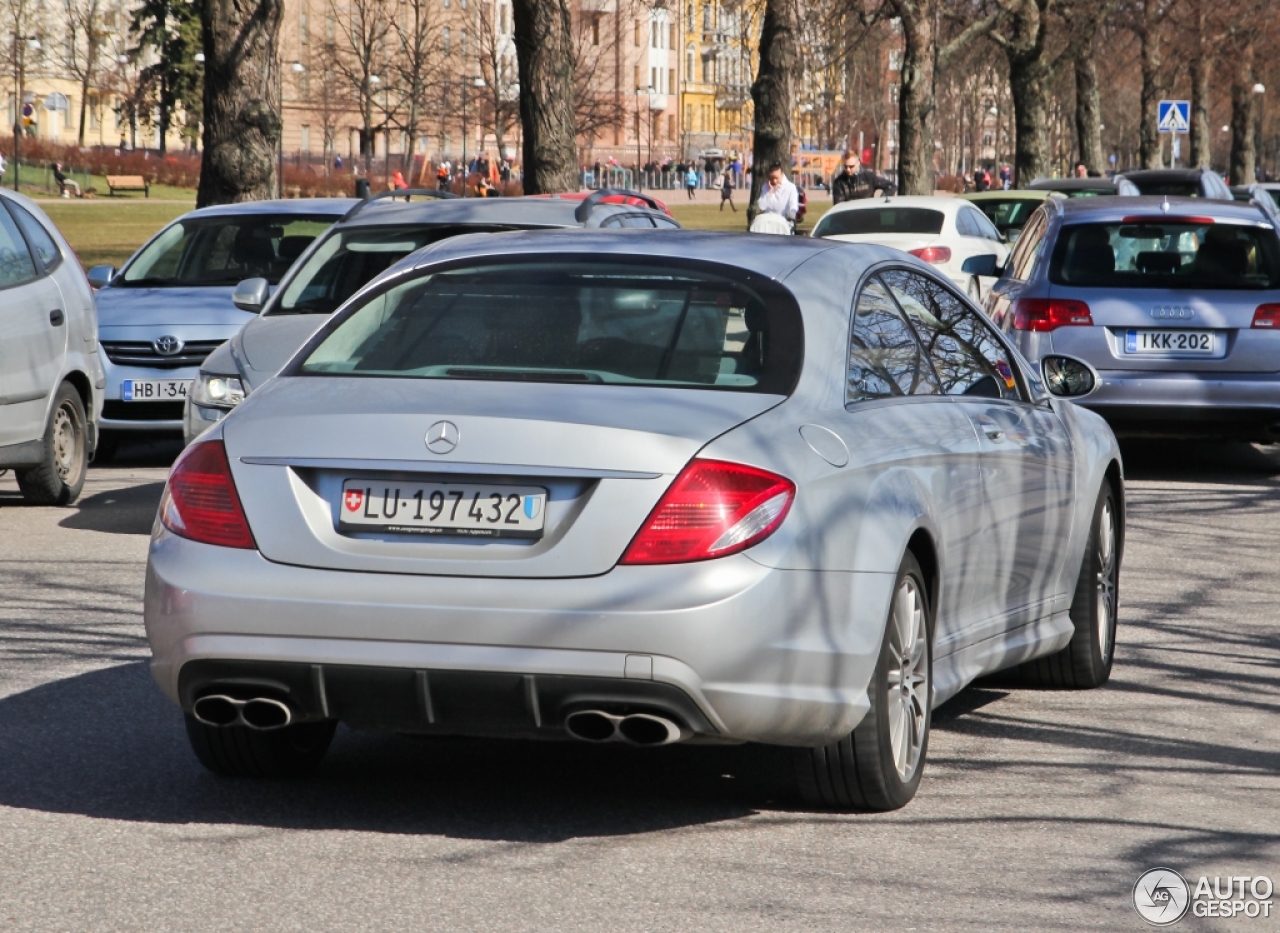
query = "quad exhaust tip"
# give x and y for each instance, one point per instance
(261, 713)
(644, 729)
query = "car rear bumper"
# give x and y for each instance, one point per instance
(1171, 404)
(760, 654)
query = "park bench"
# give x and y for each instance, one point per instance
(128, 183)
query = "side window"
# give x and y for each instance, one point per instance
(966, 354)
(16, 264)
(38, 237)
(637, 220)
(964, 224)
(884, 357)
(1024, 256)
(665, 223)
(984, 227)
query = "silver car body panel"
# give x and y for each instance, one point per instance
(774, 644)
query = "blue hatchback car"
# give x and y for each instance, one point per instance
(170, 305)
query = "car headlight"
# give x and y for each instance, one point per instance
(214, 391)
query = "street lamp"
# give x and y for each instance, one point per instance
(476, 82)
(20, 45)
(646, 91)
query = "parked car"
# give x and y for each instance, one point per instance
(374, 235)
(1092, 187)
(51, 377)
(945, 232)
(613, 196)
(1174, 301)
(638, 487)
(170, 306)
(1180, 183)
(1008, 211)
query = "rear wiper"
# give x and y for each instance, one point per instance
(522, 375)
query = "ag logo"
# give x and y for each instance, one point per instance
(353, 500)
(1161, 896)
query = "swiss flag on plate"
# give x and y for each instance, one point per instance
(353, 500)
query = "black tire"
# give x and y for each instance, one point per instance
(860, 771)
(65, 457)
(1086, 661)
(238, 751)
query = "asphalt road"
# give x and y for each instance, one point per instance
(1038, 811)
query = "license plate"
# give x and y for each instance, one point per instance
(1199, 342)
(154, 390)
(462, 509)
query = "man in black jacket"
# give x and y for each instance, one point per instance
(855, 183)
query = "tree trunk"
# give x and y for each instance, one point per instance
(916, 102)
(773, 95)
(241, 89)
(1201, 64)
(1088, 110)
(544, 54)
(1242, 104)
(1031, 157)
(1150, 154)
(84, 105)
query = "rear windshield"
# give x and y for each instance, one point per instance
(349, 259)
(880, 220)
(223, 250)
(1008, 215)
(1172, 189)
(1154, 254)
(571, 323)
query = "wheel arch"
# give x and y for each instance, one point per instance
(84, 388)
(922, 546)
(1114, 475)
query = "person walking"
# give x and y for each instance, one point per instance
(981, 180)
(691, 182)
(854, 183)
(1006, 176)
(726, 190)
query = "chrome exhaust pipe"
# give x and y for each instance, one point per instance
(592, 725)
(261, 713)
(649, 730)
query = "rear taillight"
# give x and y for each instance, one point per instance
(200, 500)
(1045, 314)
(1267, 316)
(934, 254)
(712, 509)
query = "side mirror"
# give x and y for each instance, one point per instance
(99, 276)
(1067, 377)
(251, 295)
(987, 264)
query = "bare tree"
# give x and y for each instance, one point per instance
(356, 50)
(82, 53)
(241, 129)
(544, 50)
(417, 35)
(594, 108)
(498, 69)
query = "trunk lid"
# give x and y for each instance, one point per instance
(1228, 314)
(604, 454)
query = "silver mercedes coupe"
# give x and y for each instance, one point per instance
(639, 487)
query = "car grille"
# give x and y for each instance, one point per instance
(143, 353)
(142, 411)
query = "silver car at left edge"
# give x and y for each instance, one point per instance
(620, 486)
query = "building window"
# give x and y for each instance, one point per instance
(302, 28)
(306, 139)
(706, 17)
(637, 33)
(671, 80)
(671, 126)
(66, 114)
(595, 29)
(653, 35)
(330, 29)
(95, 121)
(895, 59)
(688, 64)
(444, 40)
(463, 45)
(689, 17)
(675, 40)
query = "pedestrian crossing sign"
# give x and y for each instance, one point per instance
(1174, 116)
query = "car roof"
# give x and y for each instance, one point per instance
(531, 211)
(1016, 194)
(1072, 184)
(1109, 210)
(1164, 174)
(936, 202)
(334, 206)
(770, 256)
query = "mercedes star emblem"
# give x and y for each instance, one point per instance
(167, 345)
(442, 437)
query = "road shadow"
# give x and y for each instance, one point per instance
(108, 745)
(129, 510)
(1201, 461)
(147, 452)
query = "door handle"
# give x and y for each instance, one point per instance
(56, 317)
(992, 431)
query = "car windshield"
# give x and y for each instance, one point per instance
(1011, 214)
(224, 250)
(572, 323)
(1167, 253)
(871, 220)
(349, 259)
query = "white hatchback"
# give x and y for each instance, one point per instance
(942, 231)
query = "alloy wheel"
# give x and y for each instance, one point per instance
(908, 678)
(1105, 591)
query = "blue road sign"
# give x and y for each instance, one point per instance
(1174, 116)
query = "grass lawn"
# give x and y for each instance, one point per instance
(106, 230)
(709, 216)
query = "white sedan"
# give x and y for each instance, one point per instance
(942, 231)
